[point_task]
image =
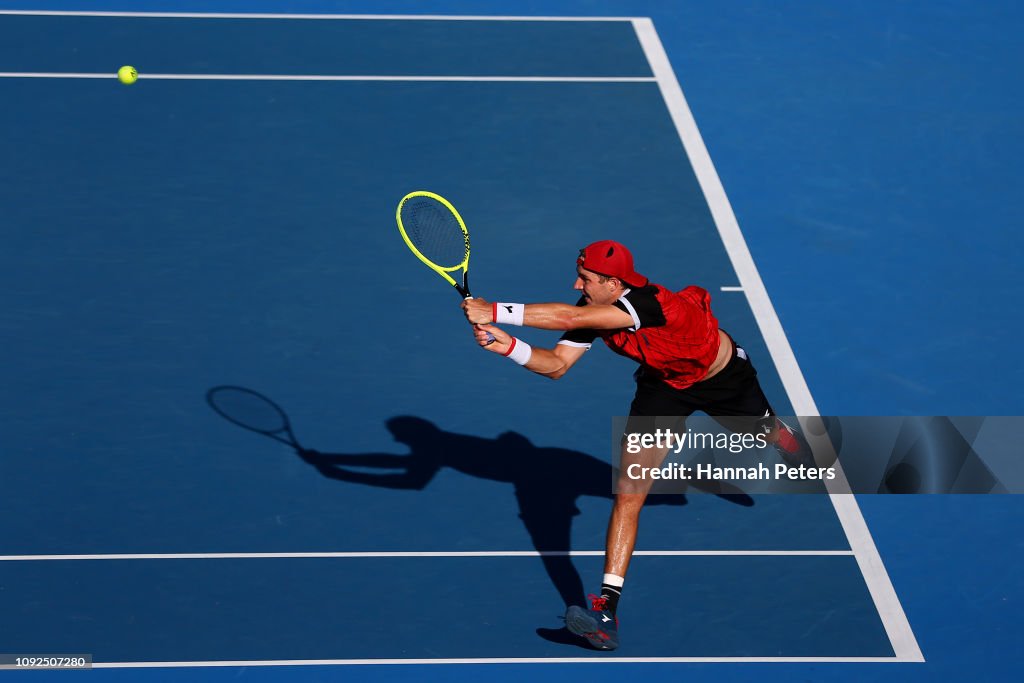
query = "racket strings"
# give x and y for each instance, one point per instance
(435, 232)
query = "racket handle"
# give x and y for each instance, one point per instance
(490, 337)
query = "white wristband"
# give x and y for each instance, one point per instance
(519, 351)
(509, 314)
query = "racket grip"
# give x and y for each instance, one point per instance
(490, 337)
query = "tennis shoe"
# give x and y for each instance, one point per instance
(597, 625)
(793, 447)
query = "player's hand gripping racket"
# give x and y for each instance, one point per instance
(435, 232)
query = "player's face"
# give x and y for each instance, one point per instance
(593, 289)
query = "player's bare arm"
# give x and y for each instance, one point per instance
(551, 363)
(554, 316)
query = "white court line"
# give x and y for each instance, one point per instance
(500, 660)
(27, 74)
(732, 289)
(406, 554)
(229, 15)
(877, 579)
(297, 77)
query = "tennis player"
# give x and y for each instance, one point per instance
(687, 364)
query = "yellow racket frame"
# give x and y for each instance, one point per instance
(440, 270)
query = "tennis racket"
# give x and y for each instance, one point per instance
(253, 411)
(435, 232)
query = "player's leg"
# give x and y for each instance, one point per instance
(599, 624)
(633, 484)
(654, 409)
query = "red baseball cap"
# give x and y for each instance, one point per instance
(611, 259)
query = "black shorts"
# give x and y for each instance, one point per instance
(733, 398)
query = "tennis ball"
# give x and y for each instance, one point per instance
(127, 75)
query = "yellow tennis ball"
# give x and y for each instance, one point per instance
(127, 75)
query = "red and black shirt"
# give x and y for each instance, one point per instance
(674, 334)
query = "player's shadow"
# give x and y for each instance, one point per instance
(546, 482)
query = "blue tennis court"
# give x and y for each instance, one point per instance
(229, 220)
